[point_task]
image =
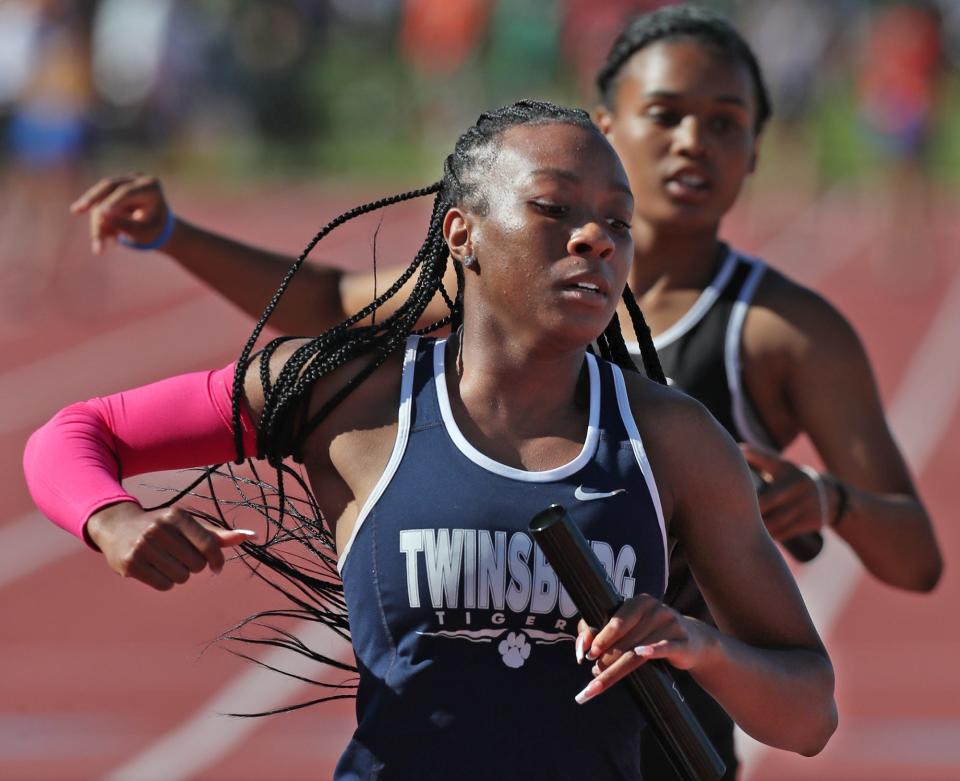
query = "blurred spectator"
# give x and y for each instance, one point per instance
(50, 119)
(221, 77)
(897, 85)
(47, 139)
(129, 41)
(589, 28)
(272, 45)
(790, 39)
(950, 14)
(523, 50)
(20, 25)
(254, 84)
(438, 36)
(897, 81)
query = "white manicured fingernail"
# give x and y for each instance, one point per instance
(579, 649)
(248, 532)
(590, 691)
(643, 650)
(595, 671)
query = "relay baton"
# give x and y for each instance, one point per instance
(804, 547)
(588, 584)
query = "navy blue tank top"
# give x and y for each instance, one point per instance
(463, 636)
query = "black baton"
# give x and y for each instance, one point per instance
(651, 685)
(804, 547)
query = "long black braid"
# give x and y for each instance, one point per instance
(243, 360)
(308, 578)
(651, 361)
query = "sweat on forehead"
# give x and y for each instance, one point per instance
(495, 161)
(477, 149)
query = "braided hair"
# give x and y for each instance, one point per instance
(682, 22)
(307, 575)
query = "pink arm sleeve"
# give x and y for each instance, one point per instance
(74, 463)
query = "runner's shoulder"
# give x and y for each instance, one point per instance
(375, 396)
(786, 314)
(666, 410)
(679, 435)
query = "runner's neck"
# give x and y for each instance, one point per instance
(666, 284)
(665, 262)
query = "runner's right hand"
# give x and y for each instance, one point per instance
(159, 547)
(132, 205)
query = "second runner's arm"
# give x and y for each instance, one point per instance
(322, 295)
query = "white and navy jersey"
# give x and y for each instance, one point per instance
(700, 353)
(464, 638)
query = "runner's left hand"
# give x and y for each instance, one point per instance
(788, 503)
(643, 628)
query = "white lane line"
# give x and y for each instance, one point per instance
(203, 738)
(925, 401)
(29, 543)
(920, 412)
(200, 330)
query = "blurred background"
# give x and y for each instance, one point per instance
(298, 88)
(266, 118)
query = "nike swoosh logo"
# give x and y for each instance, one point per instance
(585, 496)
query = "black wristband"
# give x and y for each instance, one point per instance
(843, 502)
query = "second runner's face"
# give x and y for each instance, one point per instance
(554, 244)
(683, 125)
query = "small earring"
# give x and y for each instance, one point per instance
(469, 261)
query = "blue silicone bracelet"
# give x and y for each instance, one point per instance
(158, 242)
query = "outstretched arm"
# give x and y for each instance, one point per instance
(134, 206)
(870, 500)
(74, 465)
(765, 664)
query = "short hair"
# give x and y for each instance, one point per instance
(682, 22)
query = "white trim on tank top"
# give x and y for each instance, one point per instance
(626, 414)
(742, 417)
(489, 464)
(399, 445)
(707, 298)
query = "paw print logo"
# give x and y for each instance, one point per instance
(514, 649)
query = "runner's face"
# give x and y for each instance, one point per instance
(683, 125)
(553, 245)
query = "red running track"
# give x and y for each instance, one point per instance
(102, 678)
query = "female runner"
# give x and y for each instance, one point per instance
(683, 102)
(462, 634)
